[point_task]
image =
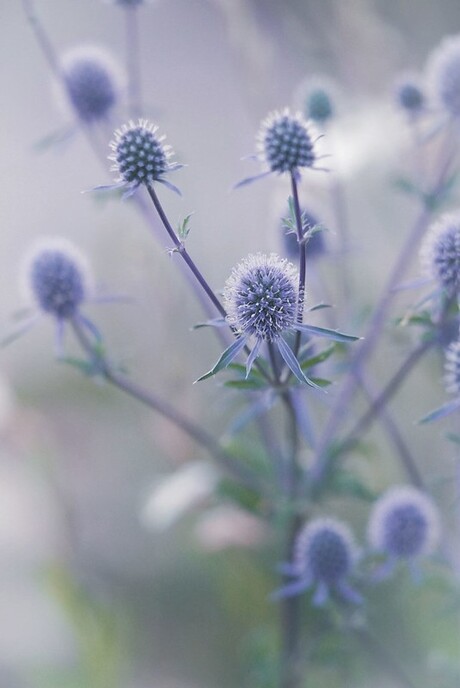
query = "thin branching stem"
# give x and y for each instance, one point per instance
(133, 61)
(377, 322)
(156, 403)
(302, 259)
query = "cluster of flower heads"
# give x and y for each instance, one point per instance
(440, 254)
(140, 156)
(93, 83)
(403, 527)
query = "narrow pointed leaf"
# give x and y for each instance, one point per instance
(170, 186)
(319, 358)
(293, 363)
(441, 412)
(319, 307)
(215, 322)
(250, 180)
(226, 358)
(252, 357)
(18, 332)
(335, 335)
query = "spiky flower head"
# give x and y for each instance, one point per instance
(286, 142)
(57, 277)
(452, 368)
(404, 523)
(325, 550)
(444, 74)
(261, 296)
(440, 253)
(139, 154)
(409, 94)
(93, 82)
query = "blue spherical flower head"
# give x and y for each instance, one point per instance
(452, 369)
(140, 155)
(286, 142)
(444, 75)
(261, 300)
(93, 83)
(404, 524)
(319, 104)
(57, 278)
(409, 95)
(323, 559)
(260, 296)
(440, 254)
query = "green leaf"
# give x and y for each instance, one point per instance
(345, 483)
(226, 358)
(239, 494)
(321, 381)
(319, 358)
(250, 384)
(452, 437)
(183, 228)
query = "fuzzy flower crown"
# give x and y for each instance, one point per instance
(452, 369)
(444, 75)
(440, 253)
(285, 142)
(57, 277)
(404, 523)
(93, 82)
(261, 295)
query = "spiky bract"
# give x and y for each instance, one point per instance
(404, 523)
(261, 296)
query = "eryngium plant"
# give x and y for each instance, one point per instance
(297, 480)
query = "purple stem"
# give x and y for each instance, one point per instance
(375, 327)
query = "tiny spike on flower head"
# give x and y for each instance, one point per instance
(139, 154)
(452, 369)
(286, 142)
(261, 296)
(440, 253)
(323, 558)
(444, 74)
(404, 523)
(93, 82)
(56, 274)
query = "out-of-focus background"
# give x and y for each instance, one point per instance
(92, 578)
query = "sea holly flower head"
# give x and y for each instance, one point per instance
(444, 75)
(260, 296)
(323, 559)
(261, 299)
(404, 524)
(452, 369)
(285, 143)
(140, 156)
(318, 104)
(58, 278)
(92, 81)
(409, 95)
(440, 254)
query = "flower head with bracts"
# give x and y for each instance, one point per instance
(261, 300)
(404, 526)
(140, 157)
(323, 559)
(285, 143)
(58, 282)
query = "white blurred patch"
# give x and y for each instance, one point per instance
(228, 526)
(176, 495)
